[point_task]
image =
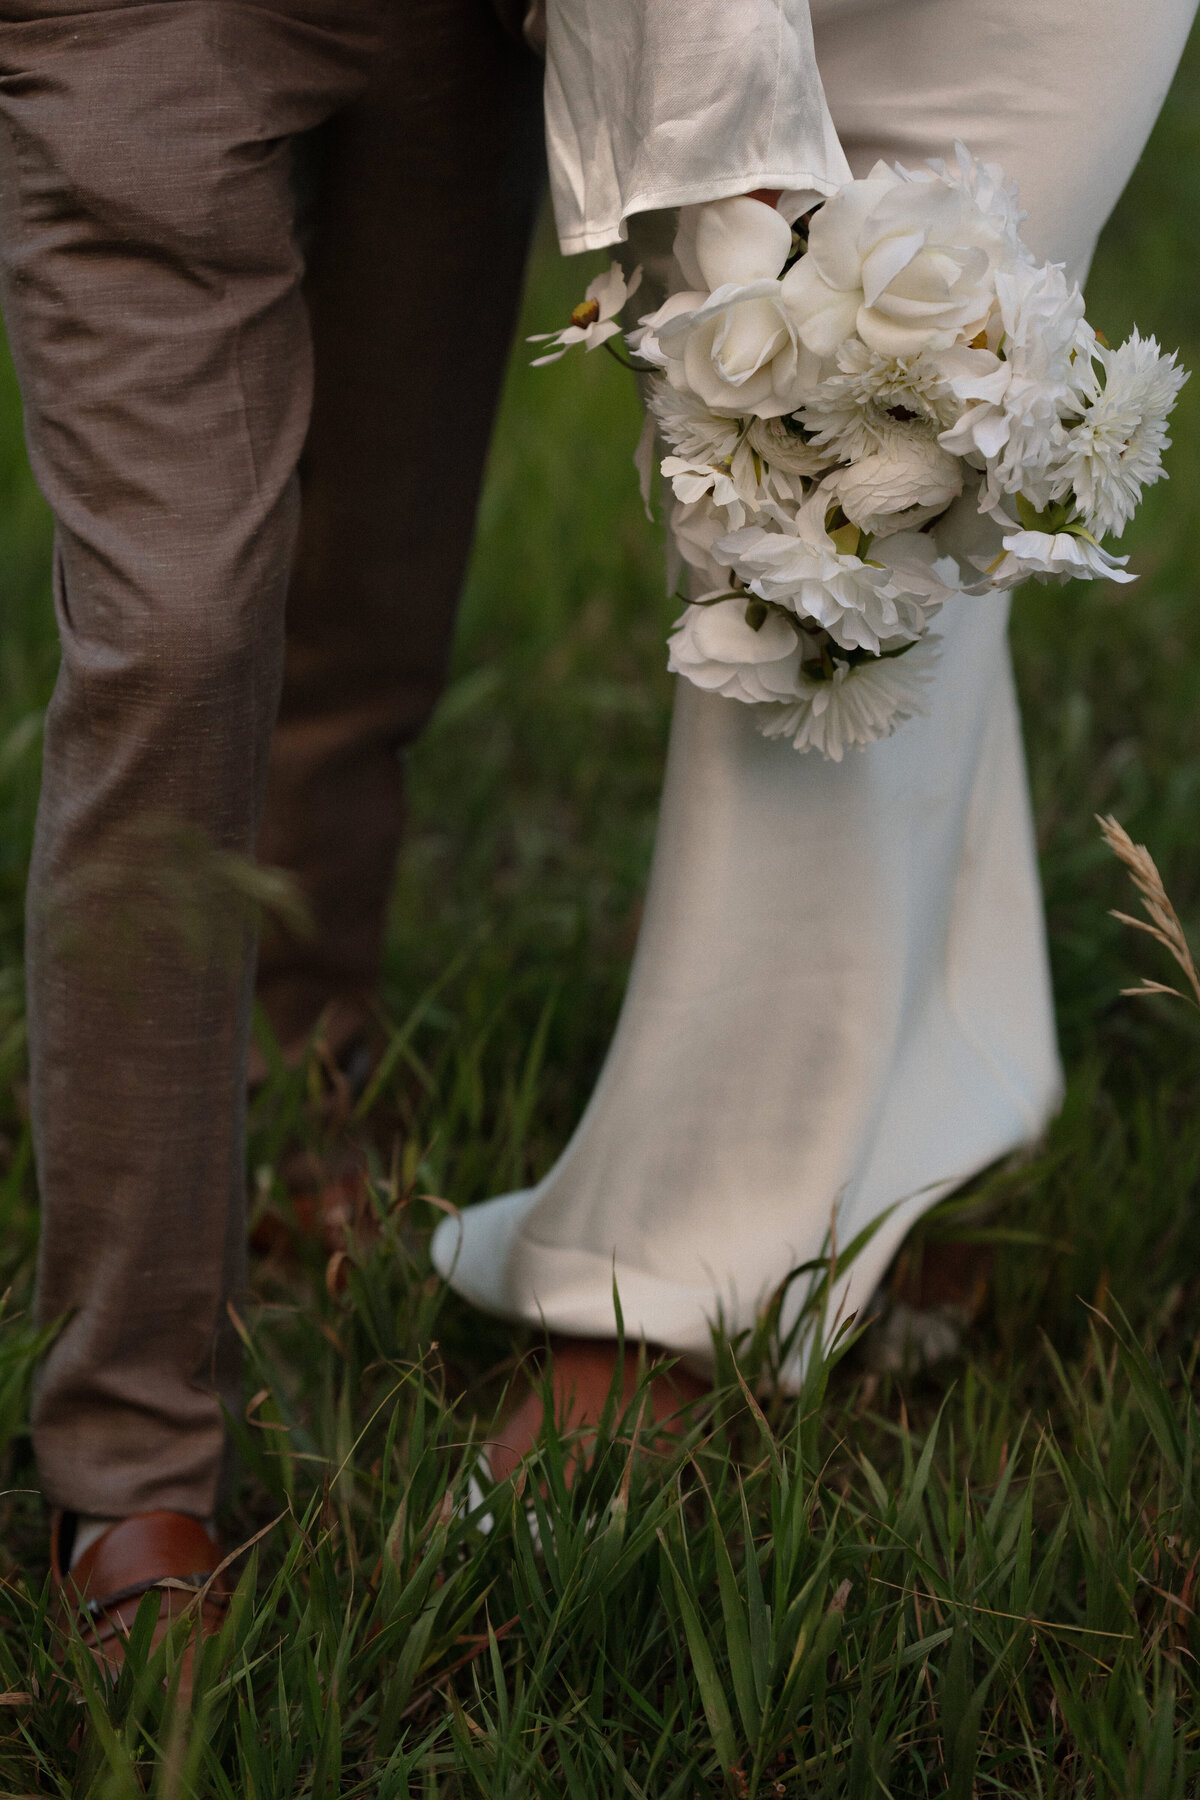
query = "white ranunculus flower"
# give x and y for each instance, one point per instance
(797, 565)
(593, 321)
(858, 705)
(907, 481)
(714, 647)
(1055, 556)
(1116, 449)
(783, 446)
(907, 263)
(730, 340)
(1012, 422)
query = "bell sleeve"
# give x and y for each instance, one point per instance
(662, 103)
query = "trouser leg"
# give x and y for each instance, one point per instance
(423, 199)
(151, 286)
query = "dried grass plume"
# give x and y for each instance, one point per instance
(1162, 922)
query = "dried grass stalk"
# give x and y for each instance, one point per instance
(1162, 922)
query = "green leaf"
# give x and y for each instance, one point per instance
(712, 1692)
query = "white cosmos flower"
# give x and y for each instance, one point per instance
(907, 263)
(1116, 449)
(740, 487)
(1055, 556)
(798, 565)
(1012, 422)
(731, 341)
(858, 705)
(594, 319)
(906, 481)
(744, 464)
(714, 647)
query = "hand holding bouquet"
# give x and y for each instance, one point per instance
(889, 403)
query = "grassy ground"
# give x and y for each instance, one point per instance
(976, 1581)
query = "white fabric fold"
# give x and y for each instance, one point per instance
(840, 1005)
(662, 103)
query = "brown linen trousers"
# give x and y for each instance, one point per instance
(259, 261)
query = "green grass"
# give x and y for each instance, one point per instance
(977, 1581)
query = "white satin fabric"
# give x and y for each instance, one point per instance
(839, 1007)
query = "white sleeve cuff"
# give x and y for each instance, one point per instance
(661, 103)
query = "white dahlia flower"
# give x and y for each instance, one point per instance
(715, 648)
(593, 321)
(858, 705)
(1012, 423)
(855, 407)
(693, 432)
(1116, 449)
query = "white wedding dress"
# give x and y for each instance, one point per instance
(840, 1008)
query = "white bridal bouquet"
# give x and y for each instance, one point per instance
(886, 404)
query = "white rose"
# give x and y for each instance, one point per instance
(732, 342)
(907, 481)
(906, 262)
(716, 649)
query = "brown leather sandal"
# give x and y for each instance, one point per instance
(167, 1551)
